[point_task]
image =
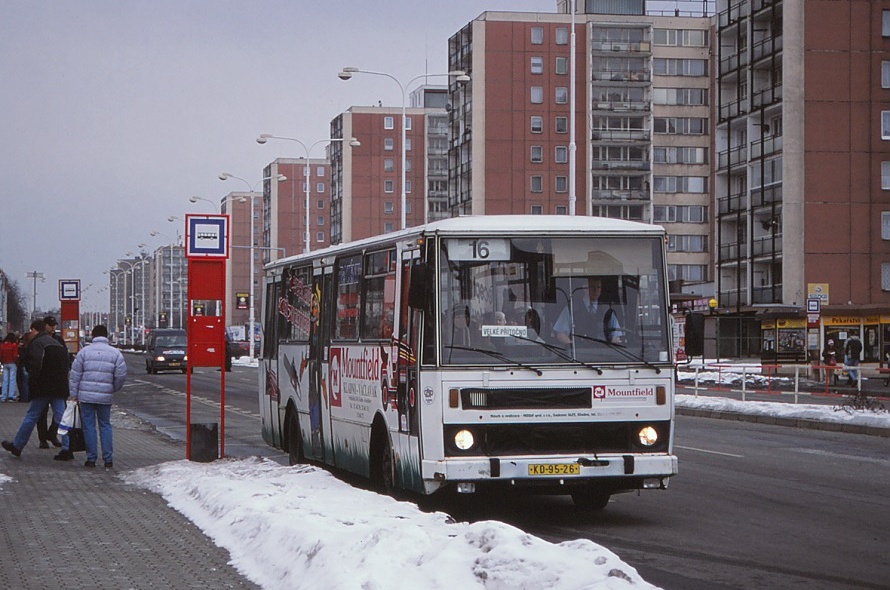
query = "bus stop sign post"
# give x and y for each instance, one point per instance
(207, 250)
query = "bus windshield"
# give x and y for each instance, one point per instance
(532, 301)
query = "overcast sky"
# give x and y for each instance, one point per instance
(114, 112)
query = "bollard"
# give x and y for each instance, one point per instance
(744, 381)
(796, 381)
(697, 371)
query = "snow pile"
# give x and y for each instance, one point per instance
(300, 527)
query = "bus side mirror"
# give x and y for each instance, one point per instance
(695, 334)
(421, 286)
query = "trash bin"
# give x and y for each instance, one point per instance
(204, 442)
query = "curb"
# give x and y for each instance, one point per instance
(782, 421)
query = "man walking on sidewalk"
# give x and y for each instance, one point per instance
(98, 371)
(47, 364)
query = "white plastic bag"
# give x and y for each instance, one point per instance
(70, 419)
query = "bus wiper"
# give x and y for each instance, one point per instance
(560, 352)
(623, 350)
(497, 355)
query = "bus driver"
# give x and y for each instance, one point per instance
(592, 318)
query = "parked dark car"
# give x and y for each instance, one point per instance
(166, 351)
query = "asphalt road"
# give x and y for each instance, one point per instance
(754, 506)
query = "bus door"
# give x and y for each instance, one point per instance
(319, 338)
(270, 392)
(408, 443)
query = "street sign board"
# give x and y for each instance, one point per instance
(69, 289)
(207, 236)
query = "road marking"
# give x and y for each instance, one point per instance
(710, 452)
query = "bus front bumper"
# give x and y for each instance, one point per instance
(636, 470)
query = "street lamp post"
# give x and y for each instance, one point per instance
(280, 178)
(264, 137)
(131, 270)
(170, 252)
(460, 76)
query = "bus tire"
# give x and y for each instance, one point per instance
(590, 499)
(294, 440)
(382, 471)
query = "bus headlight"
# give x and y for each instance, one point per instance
(647, 436)
(463, 440)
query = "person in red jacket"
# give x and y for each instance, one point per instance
(9, 356)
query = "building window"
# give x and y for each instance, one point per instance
(537, 35)
(885, 124)
(562, 36)
(679, 67)
(562, 184)
(537, 124)
(407, 144)
(537, 154)
(537, 210)
(388, 165)
(562, 95)
(408, 185)
(388, 144)
(407, 165)
(388, 123)
(388, 207)
(537, 94)
(319, 187)
(885, 176)
(562, 210)
(537, 65)
(885, 272)
(561, 154)
(562, 65)
(562, 124)
(320, 171)
(319, 220)
(387, 186)
(537, 184)
(407, 123)
(319, 237)
(320, 204)
(387, 227)
(885, 23)
(885, 225)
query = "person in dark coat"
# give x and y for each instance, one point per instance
(48, 363)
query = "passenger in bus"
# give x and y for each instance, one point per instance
(589, 315)
(460, 334)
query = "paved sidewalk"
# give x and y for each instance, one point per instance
(66, 526)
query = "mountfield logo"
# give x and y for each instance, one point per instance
(603, 392)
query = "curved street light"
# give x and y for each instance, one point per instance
(264, 137)
(280, 178)
(459, 76)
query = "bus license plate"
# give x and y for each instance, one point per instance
(554, 469)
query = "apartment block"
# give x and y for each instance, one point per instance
(366, 197)
(802, 128)
(242, 207)
(642, 96)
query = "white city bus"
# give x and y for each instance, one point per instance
(462, 354)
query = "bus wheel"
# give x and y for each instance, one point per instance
(294, 440)
(383, 463)
(588, 499)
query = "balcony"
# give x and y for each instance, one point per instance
(621, 165)
(767, 96)
(731, 15)
(767, 147)
(620, 135)
(766, 195)
(766, 47)
(621, 75)
(764, 246)
(619, 195)
(620, 47)
(733, 62)
(767, 294)
(732, 203)
(622, 106)
(733, 109)
(732, 157)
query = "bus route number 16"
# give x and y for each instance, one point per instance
(483, 250)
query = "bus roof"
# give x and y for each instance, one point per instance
(513, 225)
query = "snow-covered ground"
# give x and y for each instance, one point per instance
(300, 527)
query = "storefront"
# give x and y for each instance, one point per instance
(784, 340)
(872, 330)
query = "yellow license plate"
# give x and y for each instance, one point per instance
(554, 469)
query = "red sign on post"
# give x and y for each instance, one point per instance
(207, 250)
